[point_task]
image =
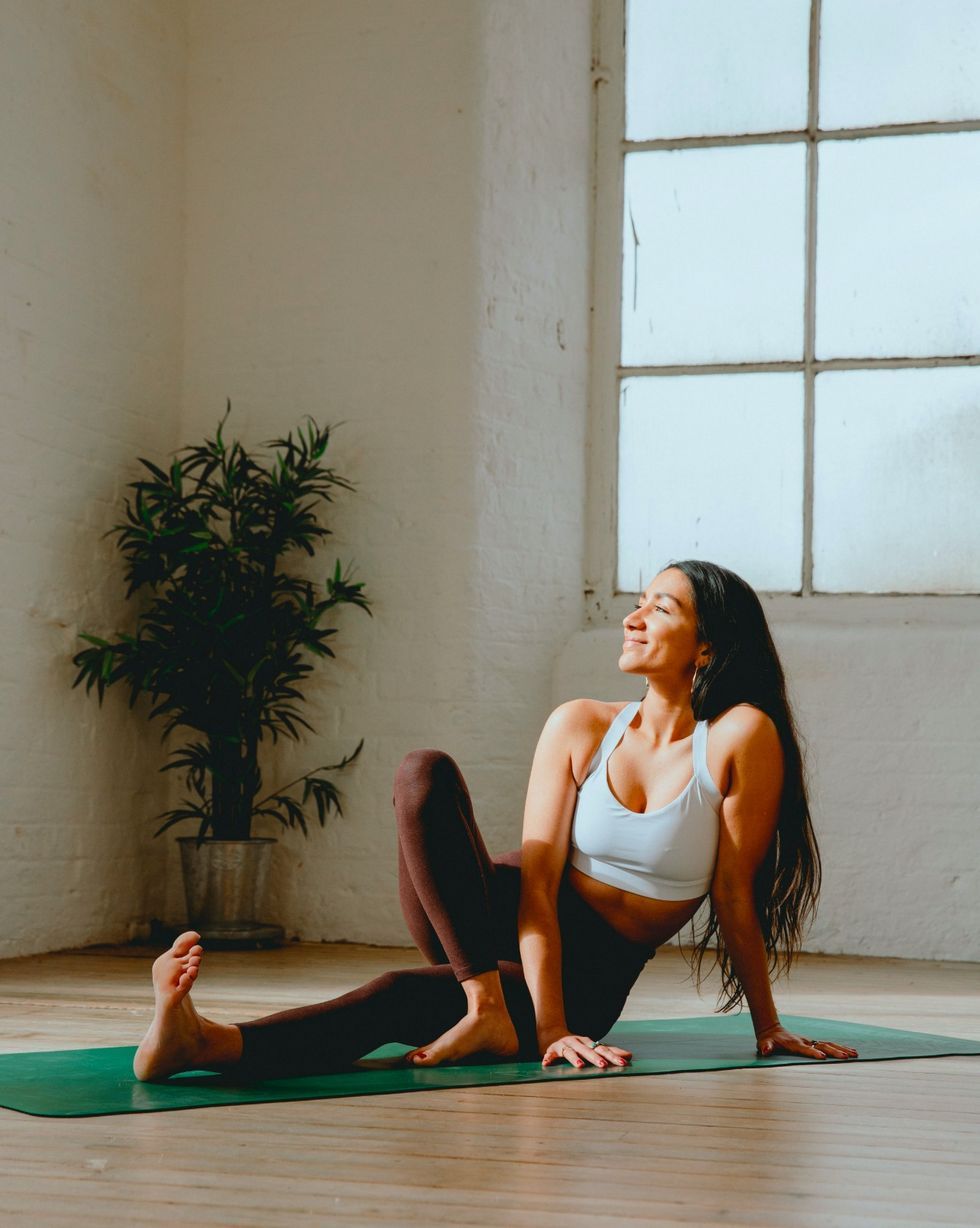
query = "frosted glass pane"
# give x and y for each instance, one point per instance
(898, 263)
(713, 254)
(711, 467)
(896, 465)
(898, 61)
(715, 67)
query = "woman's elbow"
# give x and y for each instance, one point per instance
(732, 897)
(541, 870)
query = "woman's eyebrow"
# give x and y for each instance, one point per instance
(669, 597)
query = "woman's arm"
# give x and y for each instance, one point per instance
(551, 795)
(749, 813)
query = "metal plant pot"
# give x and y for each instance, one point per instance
(224, 882)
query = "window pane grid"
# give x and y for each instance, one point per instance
(810, 366)
(808, 133)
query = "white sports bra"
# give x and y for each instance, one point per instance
(666, 854)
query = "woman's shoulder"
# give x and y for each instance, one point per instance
(742, 725)
(578, 726)
(586, 715)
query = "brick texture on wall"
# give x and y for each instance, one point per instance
(388, 225)
(90, 267)
(379, 214)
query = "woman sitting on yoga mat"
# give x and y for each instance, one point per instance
(533, 955)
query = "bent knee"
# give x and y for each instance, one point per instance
(388, 984)
(425, 767)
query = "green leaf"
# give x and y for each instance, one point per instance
(93, 639)
(154, 469)
(218, 440)
(234, 672)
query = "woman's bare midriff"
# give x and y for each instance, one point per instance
(637, 917)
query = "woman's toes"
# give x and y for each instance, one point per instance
(183, 944)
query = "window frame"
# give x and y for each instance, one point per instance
(604, 603)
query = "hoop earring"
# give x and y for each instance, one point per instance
(694, 680)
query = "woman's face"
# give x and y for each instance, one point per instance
(660, 635)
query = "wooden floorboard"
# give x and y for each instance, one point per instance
(845, 1145)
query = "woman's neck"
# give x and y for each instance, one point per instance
(666, 716)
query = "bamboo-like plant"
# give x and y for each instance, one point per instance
(220, 650)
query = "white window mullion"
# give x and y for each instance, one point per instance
(673, 349)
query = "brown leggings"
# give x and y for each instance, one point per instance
(461, 910)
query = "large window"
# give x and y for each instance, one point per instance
(788, 293)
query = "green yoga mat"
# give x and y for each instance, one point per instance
(93, 1082)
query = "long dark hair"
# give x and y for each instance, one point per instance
(744, 668)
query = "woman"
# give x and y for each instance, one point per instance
(533, 955)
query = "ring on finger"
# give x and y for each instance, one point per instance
(595, 1044)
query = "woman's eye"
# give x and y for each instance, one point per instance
(660, 608)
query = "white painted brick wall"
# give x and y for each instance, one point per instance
(388, 224)
(90, 197)
(387, 221)
(531, 383)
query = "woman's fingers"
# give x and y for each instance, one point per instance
(574, 1051)
(579, 1052)
(595, 1055)
(798, 1044)
(555, 1052)
(566, 1049)
(612, 1055)
(832, 1049)
(828, 1048)
(787, 1042)
(625, 1055)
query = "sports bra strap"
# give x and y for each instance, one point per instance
(611, 737)
(616, 729)
(701, 758)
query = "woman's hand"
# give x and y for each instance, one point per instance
(778, 1039)
(578, 1050)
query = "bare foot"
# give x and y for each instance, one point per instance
(175, 1040)
(488, 1033)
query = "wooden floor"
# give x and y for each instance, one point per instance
(876, 1143)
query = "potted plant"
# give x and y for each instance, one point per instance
(221, 646)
